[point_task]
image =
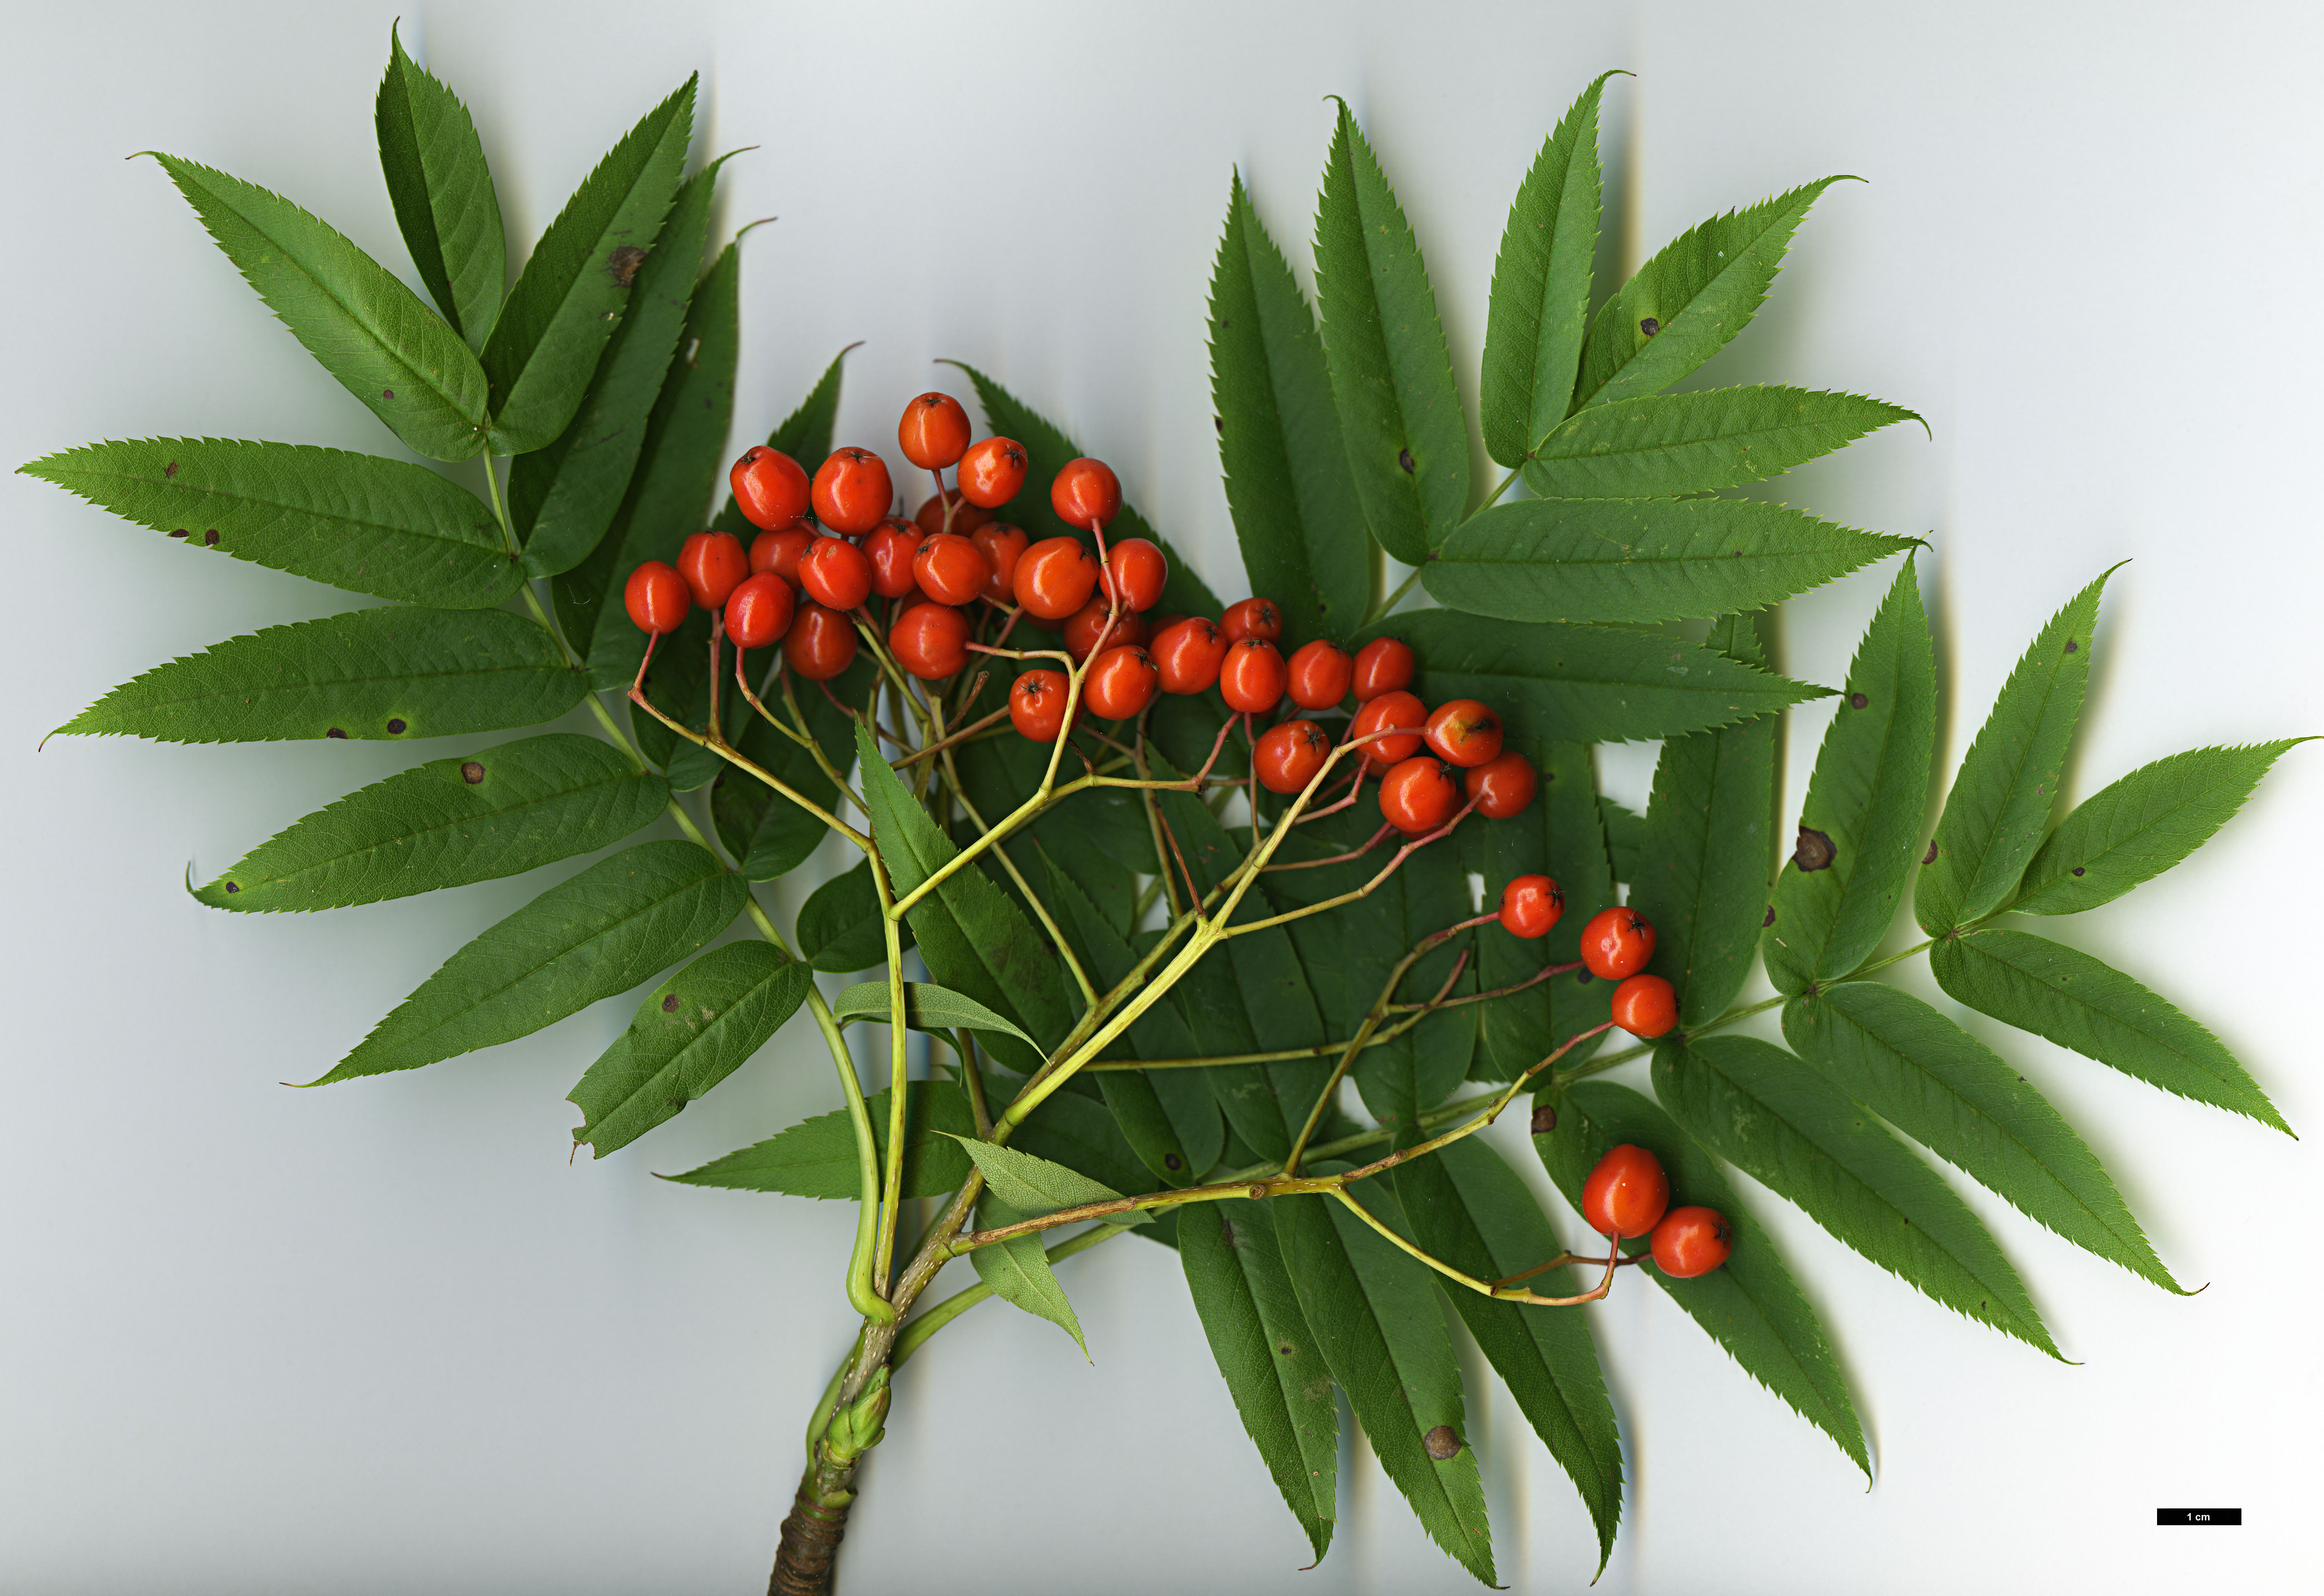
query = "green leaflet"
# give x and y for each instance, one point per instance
(443, 193)
(353, 315)
(601, 933)
(1469, 1208)
(1035, 1186)
(387, 674)
(1625, 838)
(692, 1031)
(1660, 445)
(927, 1007)
(1950, 1092)
(1265, 1351)
(446, 823)
(1540, 305)
(2142, 826)
(1018, 1272)
(2078, 1002)
(840, 924)
(1751, 1306)
(1702, 879)
(816, 1157)
(563, 496)
(1860, 826)
(1376, 1316)
(1765, 1111)
(805, 435)
(575, 286)
(1296, 511)
(1628, 561)
(2007, 783)
(387, 528)
(1586, 684)
(771, 834)
(1391, 378)
(1684, 305)
(1073, 1128)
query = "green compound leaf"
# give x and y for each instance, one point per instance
(1391, 378)
(574, 288)
(1685, 304)
(839, 924)
(353, 315)
(2142, 826)
(927, 1007)
(1268, 1355)
(443, 193)
(1035, 1186)
(1951, 1093)
(1661, 445)
(2007, 783)
(1540, 305)
(816, 1157)
(1751, 1306)
(771, 834)
(1702, 879)
(387, 528)
(607, 930)
(1018, 1272)
(2078, 1002)
(805, 435)
(389, 674)
(1861, 823)
(1630, 560)
(1376, 1315)
(1295, 506)
(447, 822)
(1587, 684)
(692, 1031)
(1469, 1209)
(1781, 1123)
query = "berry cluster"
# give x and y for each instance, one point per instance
(1615, 945)
(1627, 1194)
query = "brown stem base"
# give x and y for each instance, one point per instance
(809, 1547)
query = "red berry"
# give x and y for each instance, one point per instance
(779, 551)
(1616, 943)
(951, 569)
(890, 547)
(1002, 547)
(1252, 617)
(1138, 570)
(835, 572)
(770, 488)
(934, 431)
(1625, 1193)
(1037, 705)
(992, 472)
(1530, 906)
(1289, 755)
(1383, 665)
(1055, 577)
(1251, 678)
(759, 611)
(656, 598)
(1320, 674)
(1691, 1242)
(852, 492)
(1086, 495)
(1390, 709)
(1465, 733)
(965, 517)
(1419, 794)
(1645, 1006)
(712, 563)
(1502, 786)
(930, 640)
(821, 642)
(1089, 622)
(1189, 653)
(1121, 682)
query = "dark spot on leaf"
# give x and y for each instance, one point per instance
(232, 888)
(2021, 1077)
(1544, 1120)
(1173, 1161)
(1404, 459)
(677, 1105)
(622, 264)
(1284, 1349)
(1930, 856)
(1857, 700)
(1813, 851)
(1442, 1444)
(179, 533)
(2078, 870)
(334, 732)
(669, 1005)
(395, 728)
(1582, 978)
(2071, 646)
(210, 538)
(1771, 917)
(170, 469)
(1649, 326)
(387, 393)
(472, 772)
(1219, 425)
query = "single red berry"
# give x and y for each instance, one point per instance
(779, 551)
(1530, 906)
(1055, 577)
(1503, 786)
(951, 569)
(1645, 1006)
(1383, 665)
(1390, 709)
(852, 492)
(1088, 623)
(1252, 617)
(1121, 682)
(965, 517)
(712, 563)
(759, 611)
(771, 488)
(1289, 755)
(1002, 547)
(1419, 794)
(1465, 733)
(1086, 494)
(1625, 1193)
(1189, 653)
(835, 572)
(1319, 673)
(934, 431)
(930, 640)
(1616, 943)
(821, 642)
(1251, 678)
(656, 598)
(1138, 570)
(992, 472)
(1037, 705)
(890, 547)
(1691, 1242)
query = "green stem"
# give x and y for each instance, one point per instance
(1393, 599)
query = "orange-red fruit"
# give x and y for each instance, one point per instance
(1002, 547)
(1085, 494)
(930, 640)
(1617, 943)
(1390, 709)
(771, 488)
(1465, 733)
(1037, 705)
(779, 551)
(1530, 906)
(951, 569)
(852, 492)
(1121, 682)
(821, 642)
(933, 432)
(712, 563)
(656, 598)
(1288, 756)
(1189, 653)
(1251, 678)
(1419, 794)
(1320, 674)
(1503, 786)
(890, 547)
(759, 611)
(835, 572)
(1384, 664)
(992, 472)
(1625, 1193)
(1691, 1242)
(1088, 623)
(1055, 577)
(1252, 617)
(1645, 1006)
(965, 517)
(1137, 571)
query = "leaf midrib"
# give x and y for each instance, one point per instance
(547, 667)
(353, 522)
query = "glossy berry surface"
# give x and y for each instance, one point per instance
(1089, 622)
(656, 598)
(779, 551)
(821, 642)
(1251, 678)
(1384, 664)
(951, 569)
(1625, 1193)
(712, 563)
(1037, 705)
(1617, 943)
(1085, 494)
(992, 472)
(890, 547)
(930, 640)
(1530, 906)
(1390, 709)
(1251, 617)
(1502, 786)
(1055, 577)
(933, 432)
(1320, 674)
(770, 488)
(1465, 733)
(965, 517)
(1288, 756)
(1691, 1242)
(1136, 569)
(1002, 547)
(1419, 794)
(1189, 653)
(835, 572)
(1121, 682)
(759, 611)
(1645, 1006)
(852, 492)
